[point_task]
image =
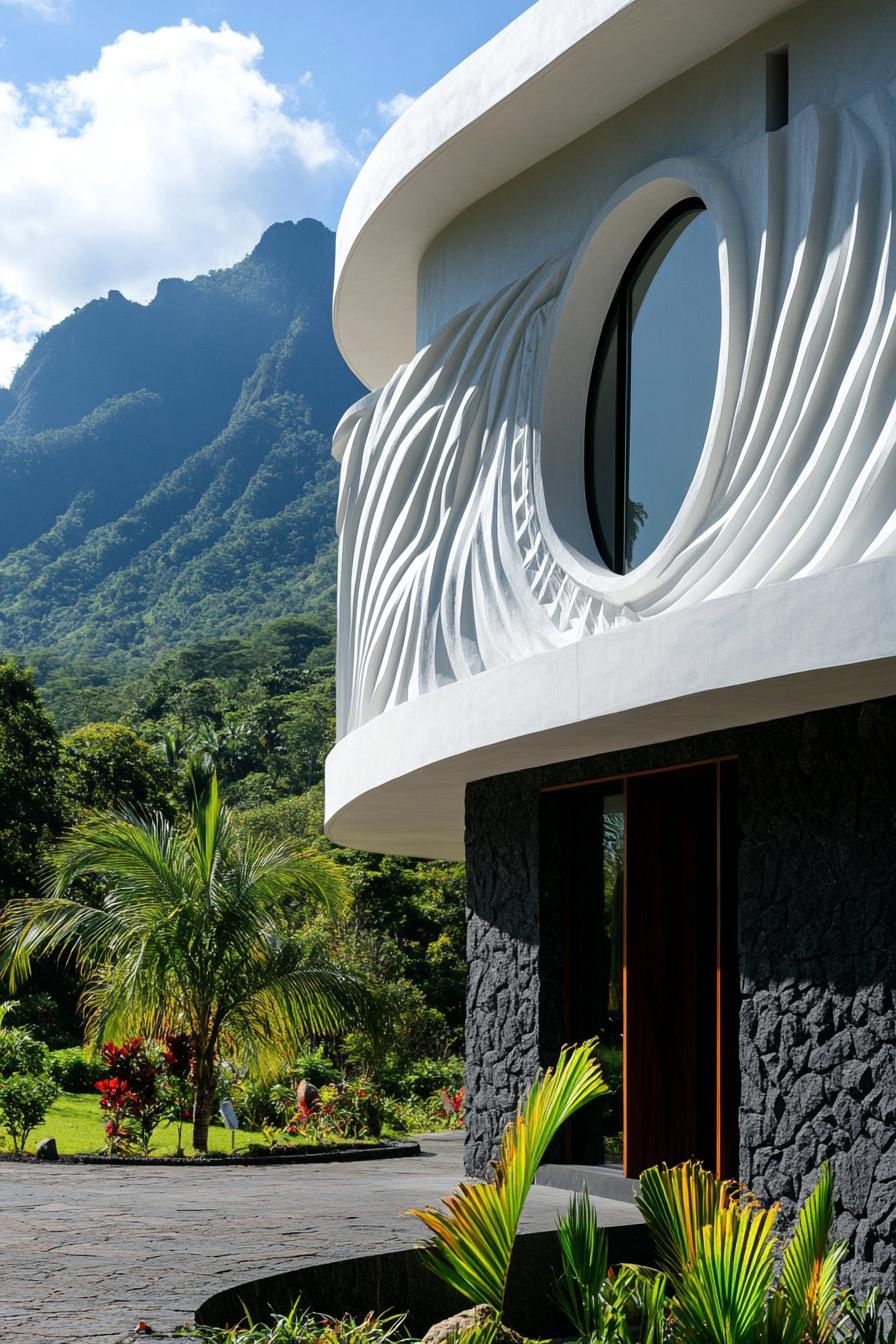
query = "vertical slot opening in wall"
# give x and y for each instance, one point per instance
(777, 89)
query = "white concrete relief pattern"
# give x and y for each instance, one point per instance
(446, 562)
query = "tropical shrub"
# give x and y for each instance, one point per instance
(176, 1083)
(423, 1079)
(716, 1284)
(26, 1090)
(603, 1306)
(407, 1117)
(353, 1110)
(115, 1102)
(718, 1248)
(21, 1053)
(24, 1102)
(258, 1103)
(312, 1065)
(251, 1099)
(76, 1069)
(132, 1097)
(50, 1018)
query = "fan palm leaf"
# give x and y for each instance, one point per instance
(676, 1203)
(805, 1302)
(722, 1292)
(473, 1238)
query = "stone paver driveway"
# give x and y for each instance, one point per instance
(85, 1252)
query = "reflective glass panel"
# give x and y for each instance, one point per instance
(652, 386)
(675, 334)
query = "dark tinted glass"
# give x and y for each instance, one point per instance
(652, 387)
(600, 447)
(610, 959)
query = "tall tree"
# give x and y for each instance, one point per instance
(30, 805)
(195, 934)
(107, 765)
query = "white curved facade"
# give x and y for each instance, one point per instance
(479, 630)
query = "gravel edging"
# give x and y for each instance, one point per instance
(387, 1148)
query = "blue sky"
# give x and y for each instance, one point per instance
(144, 140)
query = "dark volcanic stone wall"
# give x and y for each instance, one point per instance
(817, 946)
(502, 1046)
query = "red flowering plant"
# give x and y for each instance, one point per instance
(177, 1087)
(351, 1110)
(302, 1119)
(131, 1097)
(452, 1103)
(115, 1102)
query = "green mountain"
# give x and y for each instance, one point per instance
(166, 471)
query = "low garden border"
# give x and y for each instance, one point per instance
(330, 1152)
(399, 1281)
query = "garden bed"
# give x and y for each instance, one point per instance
(398, 1281)
(329, 1152)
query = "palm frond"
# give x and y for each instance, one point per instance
(868, 1320)
(473, 1240)
(141, 853)
(808, 1285)
(283, 872)
(676, 1203)
(584, 1255)
(722, 1292)
(58, 927)
(209, 819)
(288, 1003)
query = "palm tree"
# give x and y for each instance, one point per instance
(195, 934)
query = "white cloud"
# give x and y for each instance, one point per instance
(44, 9)
(390, 109)
(168, 158)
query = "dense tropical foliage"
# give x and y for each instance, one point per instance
(194, 933)
(259, 710)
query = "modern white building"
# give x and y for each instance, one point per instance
(617, 590)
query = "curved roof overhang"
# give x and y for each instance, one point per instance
(396, 785)
(556, 72)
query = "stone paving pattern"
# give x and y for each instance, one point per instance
(85, 1252)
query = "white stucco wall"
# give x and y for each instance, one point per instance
(838, 52)
(478, 629)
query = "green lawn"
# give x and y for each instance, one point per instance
(76, 1123)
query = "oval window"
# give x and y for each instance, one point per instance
(652, 386)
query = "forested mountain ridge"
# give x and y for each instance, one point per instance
(165, 471)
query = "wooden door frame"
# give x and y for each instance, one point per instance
(726, 983)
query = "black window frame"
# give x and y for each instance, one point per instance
(618, 325)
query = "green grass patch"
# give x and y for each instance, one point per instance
(77, 1124)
